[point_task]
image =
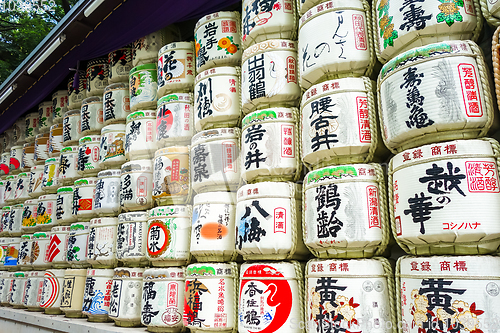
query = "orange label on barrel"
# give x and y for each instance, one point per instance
(85, 204)
(213, 230)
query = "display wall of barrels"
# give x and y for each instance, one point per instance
(263, 177)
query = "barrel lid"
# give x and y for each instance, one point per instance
(34, 168)
(17, 147)
(85, 181)
(71, 113)
(269, 190)
(100, 272)
(133, 217)
(18, 206)
(330, 6)
(97, 61)
(4, 240)
(11, 177)
(450, 149)
(23, 174)
(114, 86)
(340, 173)
(75, 272)
(32, 115)
(137, 165)
(103, 221)
(19, 275)
(143, 67)
(60, 229)
(172, 150)
(175, 98)
(54, 272)
(167, 273)
(51, 160)
(330, 87)
(113, 128)
(14, 240)
(92, 100)
(281, 114)
(89, 139)
(56, 126)
(31, 202)
(210, 270)
(269, 46)
(60, 93)
(45, 103)
(26, 145)
(217, 16)
(215, 198)
(141, 114)
(69, 149)
(361, 268)
(177, 46)
(170, 211)
(47, 197)
(267, 270)
(215, 134)
(6, 154)
(6, 208)
(225, 70)
(35, 274)
(109, 173)
(65, 189)
(128, 273)
(435, 50)
(79, 226)
(466, 267)
(41, 136)
(27, 236)
(41, 235)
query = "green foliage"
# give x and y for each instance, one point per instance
(22, 29)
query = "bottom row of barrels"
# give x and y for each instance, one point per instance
(426, 294)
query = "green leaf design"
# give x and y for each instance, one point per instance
(440, 17)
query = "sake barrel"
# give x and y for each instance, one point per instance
(397, 29)
(136, 185)
(15, 220)
(41, 148)
(77, 91)
(45, 110)
(116, 102)
(39, 250)
(269, 75)
(8, 139)
(160, 284)
(29, 216)
(91, 116)
(4, 248)
(97, 294)
(335, 289)
(346, 51)
(88, 155)
(46, 212)
(305, 5)
(3, 282)
(171, 176)
(214, 287)
(97, 76)
(119, 64)
(217, 98)
(22, 184)
(263, 158)
(20, 131)
(102, 242)
(10, 189)
(268, 20)
(465, 286)
(8, 287)
(33, 290)
(217, 39)
(58, 246)
(64, 206)
(282, 309)
(2, 189)
(143, 87)
(16, 299)
(28, 157)
(4, 221)
(339, 123)
(107, 193)
(176, 68)
(215, 160)
(35, 185)
(12, 252)
(71, 127)
(490, 11)
(32, 124)
(83, 198)
(140, 138)
(53, 280)
(174, 120)
(16, 153)
(169, 230)
(50, 178)
(59, 105)
(5, 163)
(268, 224)
(76, 254)
(145, 49)
(345, 211)
(131, 239)
(72, 292)
(431, 188)
(212, 231)
(24, 253)
(68, 165)
(435, 93)
(55, 139)
(112, 147)
(126, 294)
